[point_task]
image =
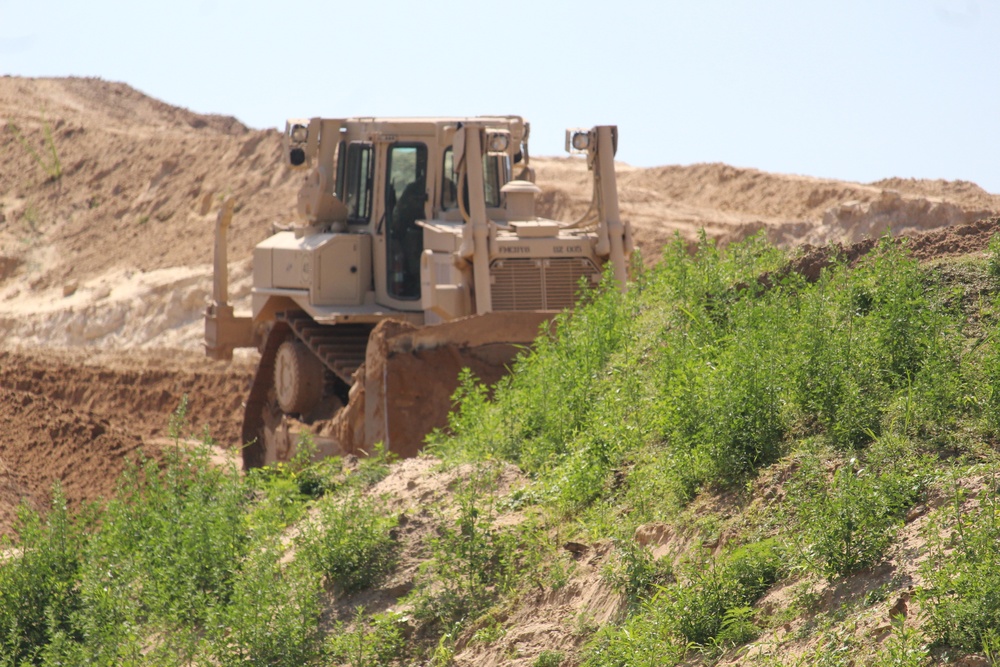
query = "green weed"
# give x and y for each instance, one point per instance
(350, 541)
(38, 595)
(473, 562)
(635, 573)
(993, 256)
(906, 647)
(272, 616)
(368, 642)
(548, 659)
(48, 160)
(963, 572)
(846, 520)
(30, 217)
(709, 607)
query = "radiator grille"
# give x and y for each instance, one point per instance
(539, 284)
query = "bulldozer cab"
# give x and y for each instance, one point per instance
(387, 177)
(421, 220)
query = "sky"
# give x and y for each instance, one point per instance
(857, 90)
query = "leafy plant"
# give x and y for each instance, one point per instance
(38, 596)
(708, 593)
(350, 541)
(472, 560)
(846, 521)
(708, 607)
(993, 256)
(368, 641)
(906, 647)
(635, 573)
(548, 659)
(272, 618)
(963, 572)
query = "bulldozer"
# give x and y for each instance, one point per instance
(415, 251)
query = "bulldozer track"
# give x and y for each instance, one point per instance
(341, 347)
(253, 420)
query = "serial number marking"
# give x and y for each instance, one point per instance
(514, 250)
(558, 250)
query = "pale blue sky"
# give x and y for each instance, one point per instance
(851, 89)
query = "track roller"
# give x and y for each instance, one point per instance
(298, 378)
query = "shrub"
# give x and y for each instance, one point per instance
(171, 539)
(548, 659)
(991, 382)
(962, 593)
(707, 593)
(906, 647)
(708, 606)
(350, 541)
(846, 523)
(272, 618)
(635, 573)
(993, 256)
(368, 642)
(473, 562)
(38, 596)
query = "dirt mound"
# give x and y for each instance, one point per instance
(954, 241)
(947, 242)
(76, 419)
(118, 101)
(731, 203)
(966, 192)
(138, 391)
(138, 183)
(44, 442)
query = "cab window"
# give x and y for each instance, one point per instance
(406, 194)
(341, 167)
(358, 183)
(449, 191)
(494, 177)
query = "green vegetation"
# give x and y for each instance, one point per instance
(48, 159)
(369, 641)
(781, 432)
(708, 605)
(188, 563)
(846, 523)
(863, 385)
(350, 542)
(963, 591)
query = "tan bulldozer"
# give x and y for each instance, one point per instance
(416, 252)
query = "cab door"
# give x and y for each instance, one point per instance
(405, 203)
